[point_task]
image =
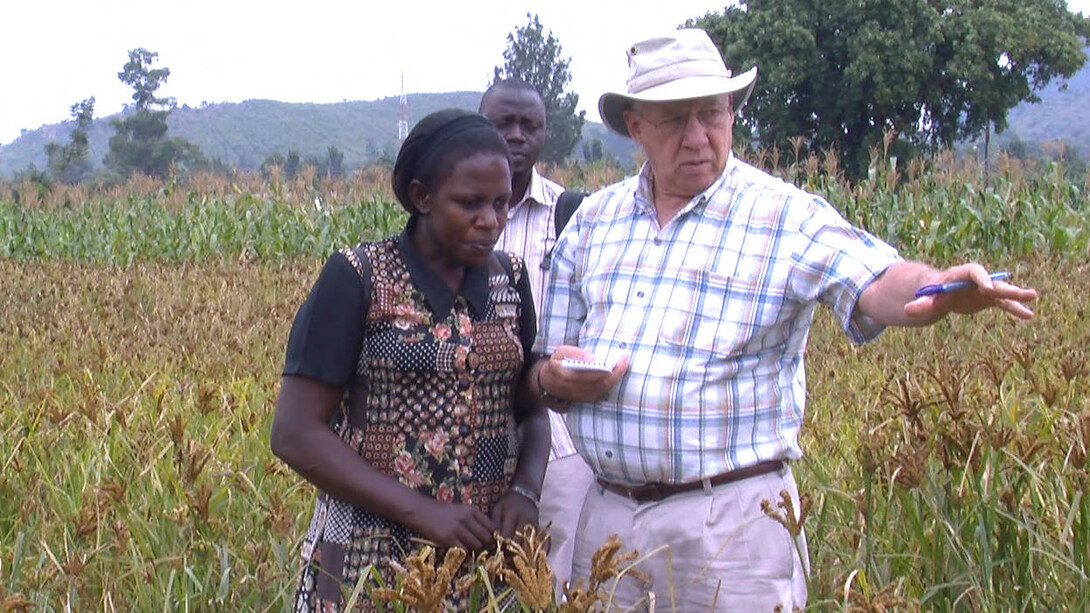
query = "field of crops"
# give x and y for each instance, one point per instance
(143, 331)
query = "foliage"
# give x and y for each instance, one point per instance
(945, 470)
(957, 475)
(331, 165)
(292, 164)
(841, 72)
(145, 80)
(70, 163)
(140, 142)
(1054, 119)
(534, 56)
(595, 151)
(334, 163)
(945, 210)
(34, 186)
(273, 160)
(966, 491)
(949, 209)
(203, 218)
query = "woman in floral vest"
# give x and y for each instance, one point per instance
(405, 398)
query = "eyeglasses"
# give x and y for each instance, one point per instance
(711, 118)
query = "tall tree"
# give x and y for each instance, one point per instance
(144, 80)
(842, 72)
(140, 142)
(534, 56)
(70, 163)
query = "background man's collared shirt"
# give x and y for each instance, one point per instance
(530, 232)
(714, 310)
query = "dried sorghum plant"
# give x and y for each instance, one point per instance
(423, 585)
(532, 578)
(605, 564)
(791, 521)
(886, 599)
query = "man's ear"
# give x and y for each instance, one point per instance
(632, 122)
(418, 194)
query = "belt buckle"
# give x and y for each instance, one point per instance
(649, 492)
(660, 491)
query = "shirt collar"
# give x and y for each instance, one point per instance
(437, 293)
(645, 194)
(535, 194)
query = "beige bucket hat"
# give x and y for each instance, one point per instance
(681, 65)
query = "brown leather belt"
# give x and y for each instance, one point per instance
(649, 492)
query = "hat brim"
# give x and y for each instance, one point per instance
(611, 105)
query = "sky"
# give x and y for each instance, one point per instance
(54, 53)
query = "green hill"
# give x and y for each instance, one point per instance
(244, 134)
(1059, 116)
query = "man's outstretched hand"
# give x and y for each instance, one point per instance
(983, 293)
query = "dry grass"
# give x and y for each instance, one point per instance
(946, 468)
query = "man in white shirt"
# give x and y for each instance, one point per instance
(518, 111)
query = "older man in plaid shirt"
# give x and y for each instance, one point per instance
(697, 279)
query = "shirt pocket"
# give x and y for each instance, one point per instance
(712, 313)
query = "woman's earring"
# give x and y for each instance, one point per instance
(420, 208)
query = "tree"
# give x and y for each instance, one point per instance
(69, 163)
(335, 162)
(1017, 149)
(1074, 167)
(534, 56)
(140, 142)
(841, 72)
(273, 160)
(592, 151)
(145, 80)
(292, 164)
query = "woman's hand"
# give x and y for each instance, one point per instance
(452, 525)
(512, 512)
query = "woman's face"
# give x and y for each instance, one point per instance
(467, 210)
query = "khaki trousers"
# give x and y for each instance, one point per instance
(705, 551)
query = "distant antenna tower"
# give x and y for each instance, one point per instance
(403, 114)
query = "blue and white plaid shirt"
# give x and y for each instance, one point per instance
(714, 311)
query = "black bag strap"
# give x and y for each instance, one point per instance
(504, 259)
(565, 207)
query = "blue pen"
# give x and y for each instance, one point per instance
(942, 288)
